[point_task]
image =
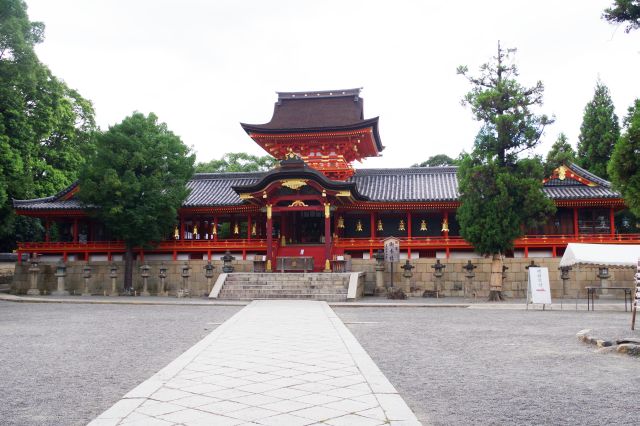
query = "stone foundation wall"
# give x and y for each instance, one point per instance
(515, 284)
(451, 284)
(100, 282)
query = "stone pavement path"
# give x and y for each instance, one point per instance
(273, 363)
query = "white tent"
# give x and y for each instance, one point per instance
(612, 255)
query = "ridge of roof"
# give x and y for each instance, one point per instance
(228, 175)
(55, 197)
(588, 175)
(406, 170)
(319, 94)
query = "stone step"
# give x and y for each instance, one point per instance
(325, 297)
(301, 291)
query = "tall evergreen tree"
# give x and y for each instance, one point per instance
(624, 11)
(437, 160)
(624, 167)
(598, 133)
(44, 125)
(237, 162)
(500, 192)
(561, 153)
(136, 181)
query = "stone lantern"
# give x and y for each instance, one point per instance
(163, 276)
(113, 274)
(470, 275)
(186, 273)
(208, 273)
(379, 257)
(564, 276)
(603, 274)
(438, 273)
(86, 274)
(227, 267)
(61, 272)
(407, 274)
(144, 273)
(34, 270)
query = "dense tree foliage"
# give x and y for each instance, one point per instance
(45, 127)
(624, 167)
(598, 133)
(237, 162)
(500, 192)
(561, 153)
(136, 181)
(437, 161)
(624, 11)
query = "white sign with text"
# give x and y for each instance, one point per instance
(539, 288)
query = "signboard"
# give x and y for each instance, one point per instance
(392, 250)
(539, 288)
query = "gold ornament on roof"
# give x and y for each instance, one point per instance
(423, 225)
(359, 226)
(445, 225)
(290, 155)
(298, 203)
(294, 183)
(340, 222)
(562, 172)
(401, 226)
(379, 227)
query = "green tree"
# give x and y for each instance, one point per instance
(598, 133)
(624, 11)
(45, 127)
(135, 181)
(561, 153)
(624, 167)
(500, 192)
(237, 162)
(437, 161)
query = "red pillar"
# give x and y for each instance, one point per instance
(612, 222)
(553, 251)
(141, 256)
(526, 251)
(269, 236)
(181, 227)
(575, 221)
(249, 227)
(327, 236)
(373, 226)
(75, 230)
(47, 225)
(409, 234)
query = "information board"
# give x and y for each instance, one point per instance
(539, 288)
(392, 250)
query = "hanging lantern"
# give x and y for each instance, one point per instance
(253, 229)
(236, 229)
(445, 226)
(195, 230)
(340, 222)
(176, 233)
(423, 225)
(214, 230)
(380, 228)
(401, 225)
(359, 226)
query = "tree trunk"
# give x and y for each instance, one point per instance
(495, 282)
(128, 270)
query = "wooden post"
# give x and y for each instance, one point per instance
(575, 222)
(75, 229)
(373, 226)
(181, 228)
(249, 227)
(526, 251)
(612, 222)
(327, 236)
(269, 237)
(47, 225)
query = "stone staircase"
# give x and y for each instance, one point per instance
(330, 287)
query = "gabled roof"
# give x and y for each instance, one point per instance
(60, 201)
(572, 182)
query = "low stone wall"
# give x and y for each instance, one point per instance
(451, 284)
(515, 284)
(100, 282)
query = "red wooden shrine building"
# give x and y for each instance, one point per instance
(315, 203)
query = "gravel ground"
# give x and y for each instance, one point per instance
(461, 366)
(63, 364)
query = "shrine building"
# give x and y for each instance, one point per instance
(316, 203)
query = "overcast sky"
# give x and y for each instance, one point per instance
(204, 66)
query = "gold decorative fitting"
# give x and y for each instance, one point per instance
(344, 194)
(290, 155)
(269, 211)
(253, 229)
(176, 233)
(562, 172)
(195, 229)
(264, 194)
(340, 222)
(298, 203)
(294, 183)
(401, 226)
(423, 225)
(359, 226)
(324, 193)
(380, 228)
(445, 226)
(245, 196)
(214, 230)
(327, 210)
(236, 229)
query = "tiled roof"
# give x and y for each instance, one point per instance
(425, 184)
(408, 184)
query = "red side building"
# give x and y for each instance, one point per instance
(315, 202)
